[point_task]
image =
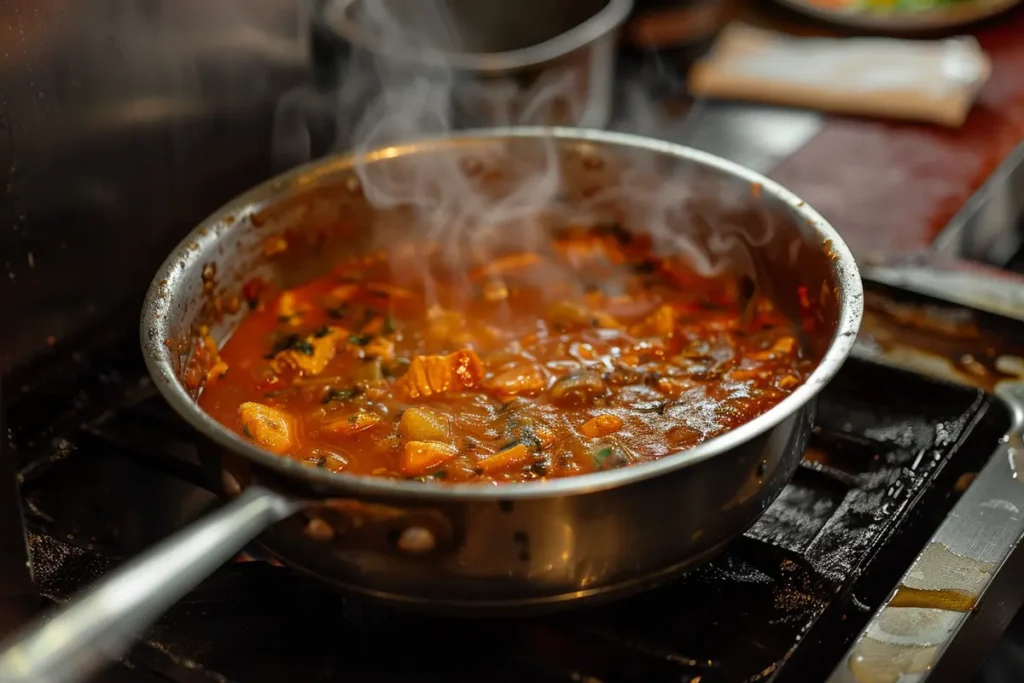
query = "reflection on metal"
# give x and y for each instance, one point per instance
(926, 628)
(986, 228)
(960, 282)
(906, 639)
(122, 123)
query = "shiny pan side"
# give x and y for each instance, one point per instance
(479, 547)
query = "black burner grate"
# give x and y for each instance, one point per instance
(781, 604)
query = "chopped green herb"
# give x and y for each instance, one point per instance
(245, 430)
(341, 395)
(389, 324)
(360, 339)
(304, 347)
(322, 332)
(440, 474)
(396, 368)
(284, 344)
(608, 457)
(352, 419)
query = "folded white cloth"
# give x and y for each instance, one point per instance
(925, 80)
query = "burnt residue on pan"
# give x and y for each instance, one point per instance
(959, 344)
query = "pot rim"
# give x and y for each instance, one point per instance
(334, 15)
(157, 317)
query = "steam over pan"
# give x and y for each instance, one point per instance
(533, 62)
(475, 548)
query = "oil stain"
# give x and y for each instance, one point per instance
(949, 600)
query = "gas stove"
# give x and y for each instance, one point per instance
(892, 552)
(107, 469)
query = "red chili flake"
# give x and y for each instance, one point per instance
(805, 299)
(251, 291)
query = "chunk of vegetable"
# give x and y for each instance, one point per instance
(433, 375)
(675, 386)
(569, 314)
(511, 263)
(419, 457)
(579, 389)
(312, 356)
(353, 424)
(520, 380)
(218, 370)
(272, 428)
(783, 346)
(380, 347)
(290, 307)
(494, 290)
(446, 326)
(420, 424)
(602, 425)
(660, 323)
(517, 455)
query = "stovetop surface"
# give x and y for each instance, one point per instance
(781, 603)
(107, 470)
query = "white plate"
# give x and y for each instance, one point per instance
(899, 21)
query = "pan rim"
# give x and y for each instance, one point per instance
(605, 21)
(157, 316)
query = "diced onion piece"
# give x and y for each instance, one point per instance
(502, 460)
(218, 370)
(419, 457)
(420, 424)
(380, 347)
(510, 263)
(432, 375)
(660, 323)
(783, 346)
(519, 380)
(353, 424)
(323, 348)
(272, 428)
(602, 425)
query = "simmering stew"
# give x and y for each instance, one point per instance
(587, 354)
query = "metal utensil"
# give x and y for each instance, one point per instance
(534, 62)
(469, 548)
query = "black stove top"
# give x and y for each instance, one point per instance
(108, 469)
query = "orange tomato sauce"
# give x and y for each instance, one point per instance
(589, 354)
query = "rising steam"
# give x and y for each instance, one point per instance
(403, 90)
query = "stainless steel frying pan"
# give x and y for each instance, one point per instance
(466, 548)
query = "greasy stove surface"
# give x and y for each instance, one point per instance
(782, 603)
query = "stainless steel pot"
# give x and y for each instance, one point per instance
(466, 547)
(533, 62)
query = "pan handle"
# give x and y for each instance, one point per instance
(74, 641)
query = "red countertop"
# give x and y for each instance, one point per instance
(889, 186)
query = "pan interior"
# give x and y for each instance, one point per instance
(335, 208)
